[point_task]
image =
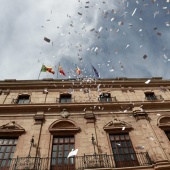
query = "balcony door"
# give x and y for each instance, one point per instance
(60, 150)
(123, 152)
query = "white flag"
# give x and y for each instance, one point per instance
(72, 153)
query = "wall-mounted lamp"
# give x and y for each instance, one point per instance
(93, 139)
(32, 143)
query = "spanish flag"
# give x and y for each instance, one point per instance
(78, 71)
(61, 70)
(47, 69)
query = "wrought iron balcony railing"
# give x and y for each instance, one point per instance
(65, 100)
(113, 161)
(73, 100)
(18, 101)
(107, 99)
(77, 163)
(154, 98)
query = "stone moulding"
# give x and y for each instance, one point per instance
(11, 128)
(117, 126)
(90, 117)
(140, 115)
(39, 119)
(63, 127)
(164, 122)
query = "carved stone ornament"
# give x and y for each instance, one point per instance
(90, 117)
(11, 128)
(64, 113)
(140, 115)
(117, 126)
(39, 119)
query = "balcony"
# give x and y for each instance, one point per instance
(72, 100)
(107, 99)
(65, 100)
(78, 162)
(18, 101)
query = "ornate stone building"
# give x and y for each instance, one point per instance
(114, 123)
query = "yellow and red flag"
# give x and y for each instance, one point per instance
(78, 71)
(61, 70)
(47, 69)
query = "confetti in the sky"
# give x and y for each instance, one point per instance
(87, 32)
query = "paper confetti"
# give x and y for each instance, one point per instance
(123, 128)
(147, 82)
(46, 39)
(134, 11)
(72, 153)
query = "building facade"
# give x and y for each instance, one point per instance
(114, 123)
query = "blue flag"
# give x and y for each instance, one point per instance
(95, 71)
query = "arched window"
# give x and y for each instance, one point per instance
(63, 142)
(164, 124)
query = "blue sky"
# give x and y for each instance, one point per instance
(111, 35)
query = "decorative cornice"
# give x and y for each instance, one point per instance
(68, 83)
(118, 126)
(11, 128)
(63, 126)
(58, 107)
(164, 122)
(162, 165)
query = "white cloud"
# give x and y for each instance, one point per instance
(24, 24)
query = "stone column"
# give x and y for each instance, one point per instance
(89, 129)
(152, 143)
(39, 119)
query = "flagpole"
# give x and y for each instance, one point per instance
(40, 72)
(93, 71)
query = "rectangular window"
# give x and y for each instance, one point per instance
(123, 152)
(23, 99)
(7, 149)
(150, 96)
(168, 134)
(105, 97)
(60, 150)
(65, 98)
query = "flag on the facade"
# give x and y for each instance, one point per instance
(95, 71)
(61, 70)
(78, 71)
(47, 69)
(72, 153)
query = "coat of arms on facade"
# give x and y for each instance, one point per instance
(64, 113)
